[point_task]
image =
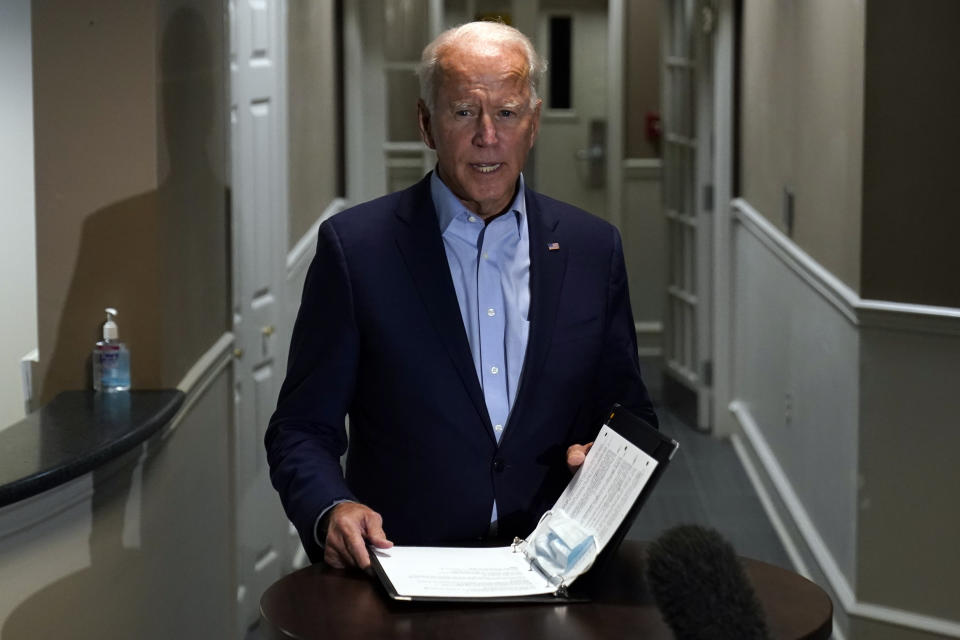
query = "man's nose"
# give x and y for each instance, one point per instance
(486, 133)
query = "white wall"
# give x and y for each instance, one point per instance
(795, 373)
(847, 410)
(801, 123)
(18, 288)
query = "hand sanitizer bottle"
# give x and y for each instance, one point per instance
(111, 360)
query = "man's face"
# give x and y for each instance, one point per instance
(483, 125)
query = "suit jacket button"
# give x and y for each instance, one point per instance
(498, 465)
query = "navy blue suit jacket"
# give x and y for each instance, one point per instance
(379, 337)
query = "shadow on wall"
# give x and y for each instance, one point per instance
(109, 596)
(160, 257)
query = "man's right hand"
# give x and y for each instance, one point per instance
(351, 527)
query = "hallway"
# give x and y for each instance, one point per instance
(706, 484)
(782, 174)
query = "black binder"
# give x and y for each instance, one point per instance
(636, 431)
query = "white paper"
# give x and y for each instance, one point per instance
(607, 484)
(461, 572)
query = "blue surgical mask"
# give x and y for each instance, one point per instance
(560, 542)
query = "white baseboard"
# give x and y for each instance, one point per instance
(783, 533)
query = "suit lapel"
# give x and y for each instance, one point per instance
(548, 264)
(421, 245)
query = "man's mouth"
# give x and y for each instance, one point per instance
(487, 167)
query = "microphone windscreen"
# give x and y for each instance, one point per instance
(701, 588)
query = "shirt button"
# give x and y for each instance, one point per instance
(485, 255)
(472, 219)
(491, 312)
(494, 370)
(498, 427)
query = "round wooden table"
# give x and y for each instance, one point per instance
(320, 602)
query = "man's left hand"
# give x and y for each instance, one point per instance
(576, 454)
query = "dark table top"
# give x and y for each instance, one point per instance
(77, 432)
(320, 602)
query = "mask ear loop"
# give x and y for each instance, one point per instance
(562, 544)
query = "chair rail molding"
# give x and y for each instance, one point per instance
(299, 257)
(859, 311)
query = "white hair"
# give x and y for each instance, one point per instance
(487, 32)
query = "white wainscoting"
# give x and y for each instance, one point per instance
(848, 428)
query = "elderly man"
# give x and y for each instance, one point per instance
(474, 331)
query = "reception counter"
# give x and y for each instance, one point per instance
(76, 433)
(117, 517)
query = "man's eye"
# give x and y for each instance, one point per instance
(462, 113)
(507, 113)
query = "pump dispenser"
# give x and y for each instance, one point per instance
(111, 359)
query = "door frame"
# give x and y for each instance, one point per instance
(367, 150)
(686, 96)
(259, 217)
(616, 103)
(713, 192)
(724, 114)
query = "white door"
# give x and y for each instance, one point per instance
(259, 225)
(687, 80)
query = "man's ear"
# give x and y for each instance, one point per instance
(423, 121)
(536, 122)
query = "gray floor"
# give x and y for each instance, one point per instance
(705, 484)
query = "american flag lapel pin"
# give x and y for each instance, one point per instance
(553, 246)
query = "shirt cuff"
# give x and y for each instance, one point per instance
(316, 523)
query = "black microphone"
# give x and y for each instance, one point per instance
(701, 588)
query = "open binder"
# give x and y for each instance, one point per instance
(565, 556)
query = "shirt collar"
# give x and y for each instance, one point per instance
(448, 206)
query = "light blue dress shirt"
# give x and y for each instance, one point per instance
(490, 267)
